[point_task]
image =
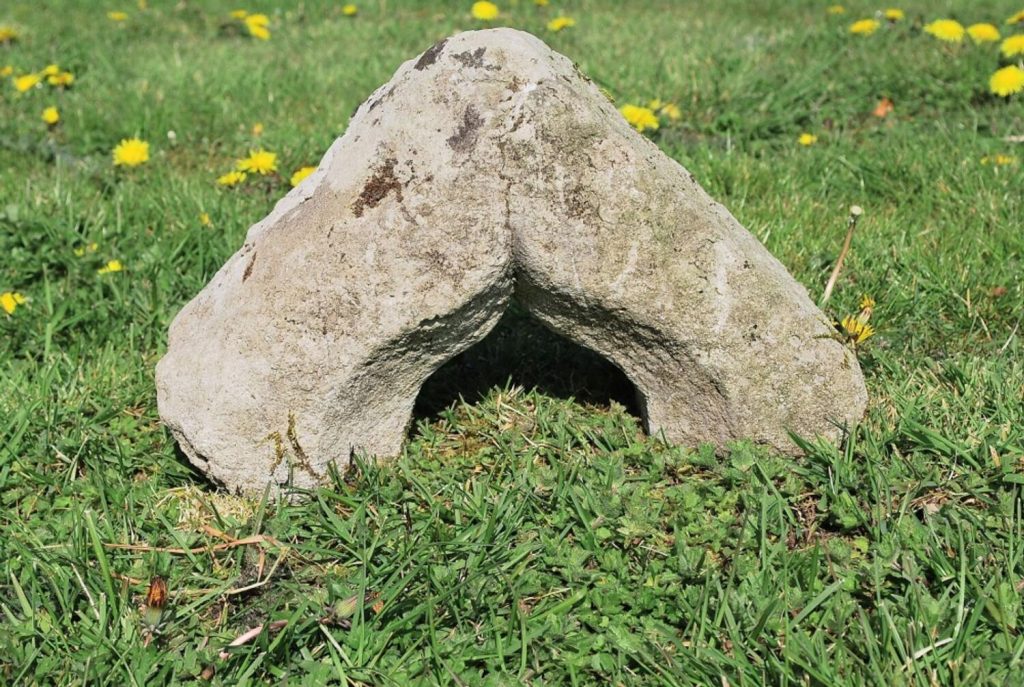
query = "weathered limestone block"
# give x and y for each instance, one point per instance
(488, 169)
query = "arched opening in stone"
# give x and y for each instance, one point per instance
(524, 352)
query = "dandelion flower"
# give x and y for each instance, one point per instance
(7, 35)
(301, 174)
(640, 118)
(10, 300)
(983, 33)
(1007, 81)
(541, 3)
(26, 82)
(49, 70)
(257, 129)
(948, 30)
(864, 27)
(239, 14)
(258, 24)
(350, 10)
(231, 179)
(807, 139)
(6, 70)
(259, 162)
(1016, 18)
(835, 9)
(61, 79)
(257, 19)
(111, 266)
(131, 152)
(1013, 46)
(50, 115)
(999, 160)
(857, 331)
(559, 23)
(893, 14)
(88, 248)
(867, 307)
(670, 110)
(484, 11)
(117, 16)
(204, 219)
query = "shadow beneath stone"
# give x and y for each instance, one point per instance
(523, 352)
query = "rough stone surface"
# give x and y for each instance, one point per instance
(488, 169)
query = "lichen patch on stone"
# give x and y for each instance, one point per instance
(430, 56)
(378, 187)
(463, 140)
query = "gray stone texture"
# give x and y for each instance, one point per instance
(490, 168)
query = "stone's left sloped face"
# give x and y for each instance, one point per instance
(488, 164)
(315, 337)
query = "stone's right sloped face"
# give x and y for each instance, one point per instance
(488, 164)
(618, 248)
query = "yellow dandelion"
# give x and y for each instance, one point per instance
(350, 10)
(1007, 81)
(893, 14)
(10, 300)
(111, 266)
(864, 27)
(239, 14)
(257, 129)
(835, 9)
(867, 307)
(559, 23)
(61, 79)
(259, 162)
(301, 174)
(6, 70)
(856, 331)
(50, 115)
(1016, 18)
(999, 160)
(131, 152)
(26, 82)
(983, 33)
(671, 110)
(117, 16)
(541, 3)
(257, 19)
(1013, 46)
(50, 70)
(948, 30)
(807, 139)
(258, 24)
(640, 118)
(8, 34)
(88, 248)
(204, 219)
(231, 179)
(484, 11)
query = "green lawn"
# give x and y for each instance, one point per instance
(533, 535)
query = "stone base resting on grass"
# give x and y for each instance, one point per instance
(490, 169)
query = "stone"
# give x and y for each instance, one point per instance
(490, 169)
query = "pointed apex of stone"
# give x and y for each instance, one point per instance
(489, 169)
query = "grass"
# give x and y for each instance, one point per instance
(532, 534)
